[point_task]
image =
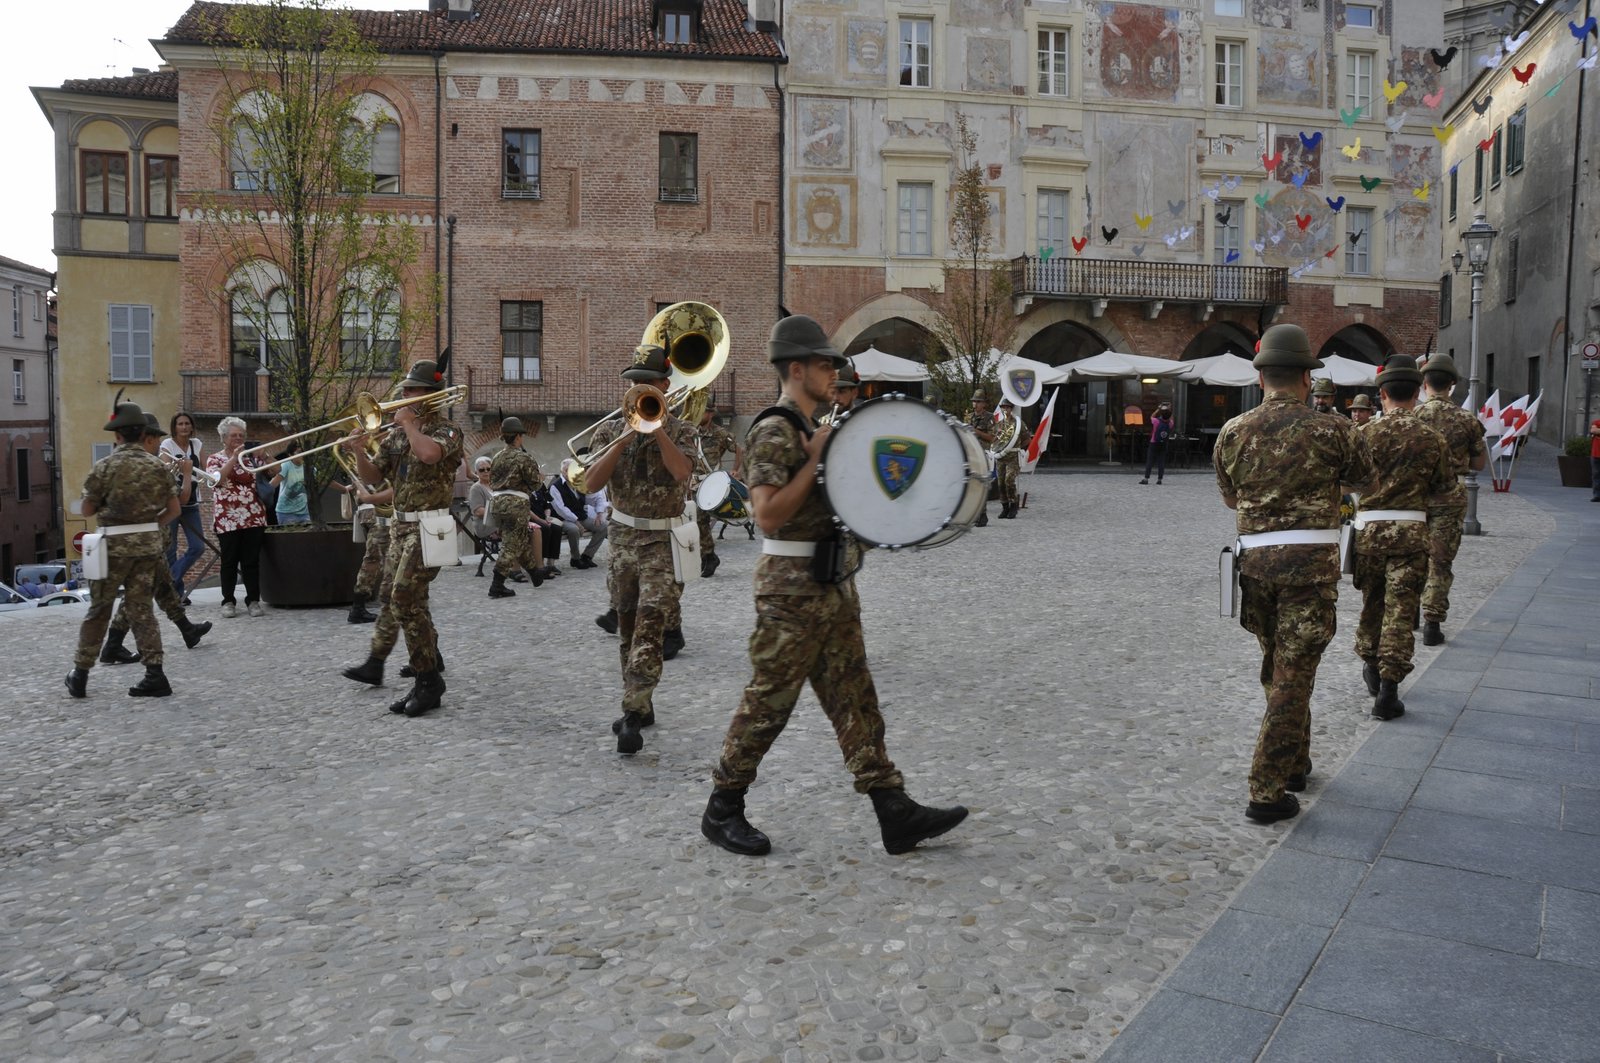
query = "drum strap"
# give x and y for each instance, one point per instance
(801, 424)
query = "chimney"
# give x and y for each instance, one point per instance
(763, 15)
(453, 10)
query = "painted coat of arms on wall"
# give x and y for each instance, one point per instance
(1139, 51)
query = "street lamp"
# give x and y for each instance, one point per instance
(1479, 238)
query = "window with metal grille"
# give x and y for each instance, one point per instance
(916, 52)
(521, 341)
(1229, 74)
(130, 342)
(519, 172)
(105, 182)
(1053, 45)
(680, 168)
(916, 218)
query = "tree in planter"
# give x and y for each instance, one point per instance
(320, 263)
(974, 300)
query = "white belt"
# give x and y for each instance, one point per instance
(645, 523)
(789, 547)
(364, 507)
(414, 517)
(1371, 516)
(520, 494)
(1296, 537)
(129, 529)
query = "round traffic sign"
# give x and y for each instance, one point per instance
(1591, 355)
(77, 543)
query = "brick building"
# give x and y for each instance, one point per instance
(1165, 180)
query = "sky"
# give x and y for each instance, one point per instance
(53, 41)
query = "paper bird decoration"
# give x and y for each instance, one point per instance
(1479, 106)
(1590, 26)
(1138, 250)
(1433, 100)
(1232, 181)
(1110, 234)
(1310, 143)
(1302, 220)
(1355, 237)
(1422, 193)
(1299, 179)
(1271, 161)
(1232, 257)
(1332, 251)
(1352, 151)
(1485, 145)
(1444, 135)
(1224, 216)
(1524, 74)
(1392, 92)
(1492, 60)
(1395, 123)
(1261, 199)
(1513, 43)
(1587, 62)
(1176, 207)
(1370, 183)
(1336, 205)
(1442, 59)
(1045, 253)
(1079, 243)
(1349, 117)
(1143, 221)
(1213, 193)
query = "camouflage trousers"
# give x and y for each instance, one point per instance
(707, 544)
(1293, 622)
(640, 582)
(375, 577)
(816, 637)
(166, 598)
(406, 609)
(1390, 589)
(1006, 473)
(1444, 540)
(136, 578)
(517, 551)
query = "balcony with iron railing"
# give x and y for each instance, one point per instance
(1104, 280)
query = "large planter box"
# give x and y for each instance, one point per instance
(1574, 471)
(303, 565)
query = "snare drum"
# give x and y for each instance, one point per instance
(725, 498)
(900, 473)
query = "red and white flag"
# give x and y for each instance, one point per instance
(1489, 413)
(1041, 436)
(1518, 422)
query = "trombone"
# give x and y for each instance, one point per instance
(696, 340)
(205, 476)
(366, 414)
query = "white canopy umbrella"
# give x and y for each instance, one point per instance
(999, 362)
(1110, 365)
(874, 364)
(1347, 372)
(1224, 370)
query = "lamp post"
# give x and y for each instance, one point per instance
(1479, 238)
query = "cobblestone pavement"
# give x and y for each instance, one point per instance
(271, 866)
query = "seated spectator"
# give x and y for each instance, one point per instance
(576, 516)
(46, 588)
(27, 588)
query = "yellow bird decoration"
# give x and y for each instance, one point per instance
(1422, 193)
(1444, 135)
(1143, 220)
(1352, 151)
(1392, 92)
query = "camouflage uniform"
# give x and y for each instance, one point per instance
(129, 486)
(715, 443)
(640, 576)
(1283, 464)
(418, 487)
(514, 469)
(804, 630)
(375, 578)
(1414, 465)
(1447, 511)
(1006, 471)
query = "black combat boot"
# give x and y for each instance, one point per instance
(1285, 807)
(646, 719)
(78, 682)
(153, 685)
(1296, 783)
(114, 652)
(905, 823)
(629, 740)
(498, 588)
(536, 576)
(607, 621)
(1431, 635)
(708, 566)
(983, 518)
(1369, 676)
(671, 643)
(724, 824)
(370, 671)
(192, 632)
(426, 695)
(406, 671)
(1388, 706)
(358, 611)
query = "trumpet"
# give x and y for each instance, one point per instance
(205, 476)
(367, 415)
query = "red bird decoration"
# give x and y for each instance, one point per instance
(1271, 161)
(1079, 243)
(1302, 220)
(1523, 75)
(1485, 145)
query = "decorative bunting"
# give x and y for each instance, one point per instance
(1433, 101)
(1370, 183)
(1442, 59)
(1336, 205)
(1352, 151)
(1392, 92)
(1524, 74)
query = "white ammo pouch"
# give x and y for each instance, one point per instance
(96, 558)
(1228, 563)
(436, 528)
(686, 547)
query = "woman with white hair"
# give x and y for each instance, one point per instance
(478, 498)
(238, 518)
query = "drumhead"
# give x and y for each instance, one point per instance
(712, 490)
(897, 471)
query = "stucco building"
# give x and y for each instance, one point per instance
(1166, 179)
(29, 528)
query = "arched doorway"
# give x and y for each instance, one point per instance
(1202, 409)
(897, 336)
(1078, 429)
(1360, 343)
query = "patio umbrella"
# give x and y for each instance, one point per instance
(1110, 365)
(1347, 372)
(874, 364)
(1224, 370)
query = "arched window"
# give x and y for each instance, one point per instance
(372, 146)
(259, 332)
(369, 340)
(247, 160)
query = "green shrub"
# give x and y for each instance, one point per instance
(1577, 447)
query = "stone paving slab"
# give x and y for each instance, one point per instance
(270, 866)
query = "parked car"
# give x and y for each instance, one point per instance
(55, 572)
(10, 600)
(65, 598)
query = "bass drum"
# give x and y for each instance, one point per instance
(725, 498)
(899, 473)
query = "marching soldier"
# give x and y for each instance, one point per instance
(646, 474)
(133, 494)
(1414, 466)
(1447, 511)
(1322, 396)
(808, 621)
(715, 442)
(1007, 467)
(982, 424)
(847, 387)
(513, 478)
(1280, 467)
(375, 578)
(1361, 411)
(165, 588)
(419, 456)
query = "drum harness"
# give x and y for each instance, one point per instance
(830, 556)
